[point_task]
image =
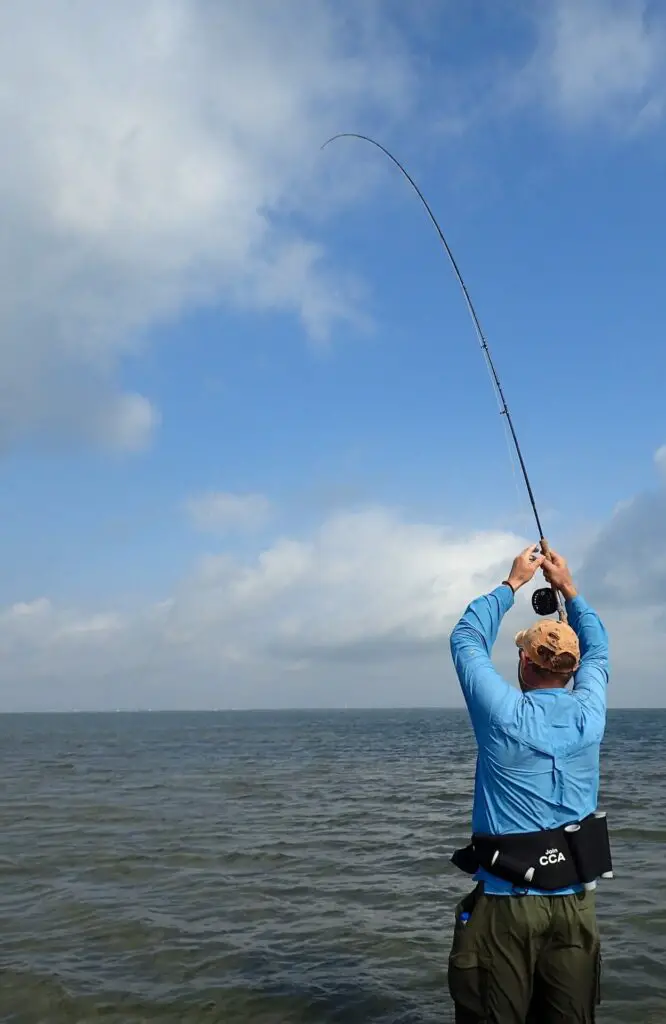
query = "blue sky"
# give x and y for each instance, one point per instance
(248, 432)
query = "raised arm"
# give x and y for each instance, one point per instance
(486, 693)
(591, 679)
(484, 690)
(592, 676)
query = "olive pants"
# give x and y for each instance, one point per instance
(525, 959)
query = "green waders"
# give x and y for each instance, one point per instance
(525, 959)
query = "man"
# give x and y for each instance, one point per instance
(522, 953)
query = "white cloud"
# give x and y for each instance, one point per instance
(599, 59)
(153, 153)
(359, 611)
(218, 512)
(158, 149)
(126, 422)
(365, 575)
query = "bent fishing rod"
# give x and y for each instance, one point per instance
(546, 600)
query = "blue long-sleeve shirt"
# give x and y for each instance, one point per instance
(538, 752)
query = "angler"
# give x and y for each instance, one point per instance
(526, 945)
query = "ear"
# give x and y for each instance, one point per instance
(525, 661)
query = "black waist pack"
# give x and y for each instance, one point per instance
(551, 859)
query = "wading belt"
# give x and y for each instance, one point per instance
(555, 858)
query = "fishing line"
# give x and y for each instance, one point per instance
(547, 600)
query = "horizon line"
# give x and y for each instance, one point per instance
(269, 710)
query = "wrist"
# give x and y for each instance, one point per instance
(569, 592)
(512, 583)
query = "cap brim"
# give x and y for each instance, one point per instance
(519, 637)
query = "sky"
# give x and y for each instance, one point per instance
(251, 455)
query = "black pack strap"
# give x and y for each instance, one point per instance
(549, 859)
(541, 860)
(589, 844)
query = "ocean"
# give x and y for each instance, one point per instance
(278, 867)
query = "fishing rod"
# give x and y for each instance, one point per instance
(546, 600)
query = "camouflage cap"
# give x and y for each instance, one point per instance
(551, 645)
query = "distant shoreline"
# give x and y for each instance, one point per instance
(273, 711)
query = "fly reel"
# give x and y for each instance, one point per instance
(544, 601)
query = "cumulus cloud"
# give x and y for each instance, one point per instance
(599, 60)
(626, 565)
(154, 154)
(624, 569)
(218, 512)
(161, 154)
(357, 612)
(360, 610)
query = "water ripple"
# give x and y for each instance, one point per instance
(277, 868)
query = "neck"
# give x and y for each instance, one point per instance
(544, 684)
(536, 681)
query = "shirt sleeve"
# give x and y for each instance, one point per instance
(591, 678)
(486, 693)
